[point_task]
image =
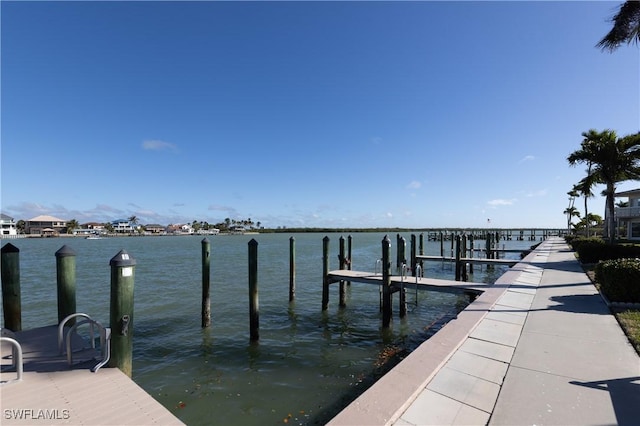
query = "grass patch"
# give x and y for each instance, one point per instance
(630, 322)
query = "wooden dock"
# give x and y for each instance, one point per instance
(470, 260)
(408, 282)
(52, 392)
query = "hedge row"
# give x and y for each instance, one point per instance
(619, 279)
(593, 250)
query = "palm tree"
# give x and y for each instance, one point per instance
(611, 159)
(71, 225)
(133, 220)
(585, 155)
(584, 188)
(571, 212)
(626, 27)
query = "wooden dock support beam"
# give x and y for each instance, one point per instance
(121, 312)
(254, 306)
(66, 283)
(292, 269)
(386, 283)
(343, 291)
(471, 252)
(402, 254)
(206, 283)
(413, 255)
(457, 253)
(11, 302)
(325, 273)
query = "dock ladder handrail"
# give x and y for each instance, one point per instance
(403, 277)
(16, 356)
(105, 338)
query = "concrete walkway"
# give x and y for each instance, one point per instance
(541, 347)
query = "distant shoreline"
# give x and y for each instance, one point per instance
(509, 231)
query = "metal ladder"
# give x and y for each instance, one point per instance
(105, 338)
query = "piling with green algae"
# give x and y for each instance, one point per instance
(121, 312)
(66, 283)
(386, 283)
(292, 269)
(254, 307)
(206, 283)
(325, 273)
(11, 302)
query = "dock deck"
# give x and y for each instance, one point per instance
(52, 392)
(471, 260)
(409, 282)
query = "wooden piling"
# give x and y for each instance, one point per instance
(457, 252)
(402, 255)
(11, 302)
(413, 251)
(121, 312)
(292, 269)
(399, 255)
(325, 273)
(343, 262)
(441, 244)
(254, 307)
(349, 241)
(386, 283)
(206, 283)
(66, 283)
(463, 252)
(471, 252)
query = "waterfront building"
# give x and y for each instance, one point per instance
(8, 225)
(628, 217)
(46, 226)
(122, 226)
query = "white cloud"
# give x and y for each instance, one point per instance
(158, 145)
(527, 158)
(414, 185)
(501, 202)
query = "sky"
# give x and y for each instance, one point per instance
(307, 114)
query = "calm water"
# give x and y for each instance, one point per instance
(307, 364)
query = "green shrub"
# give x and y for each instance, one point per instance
(590, 250)
(619, 279)
(593, 250)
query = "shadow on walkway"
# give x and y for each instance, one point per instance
(625, 397)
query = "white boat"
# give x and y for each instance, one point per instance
(93, 237)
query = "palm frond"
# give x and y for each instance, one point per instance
(626, 27)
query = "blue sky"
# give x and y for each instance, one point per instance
(338, 114)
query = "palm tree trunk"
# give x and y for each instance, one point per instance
(610, 218)
(586, 215)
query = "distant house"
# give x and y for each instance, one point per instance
(8, 225)
(237, 229)
(94, 225)
(122, 226)
(155, 229)
(629, 217)
(185, 229)
(45, 225)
